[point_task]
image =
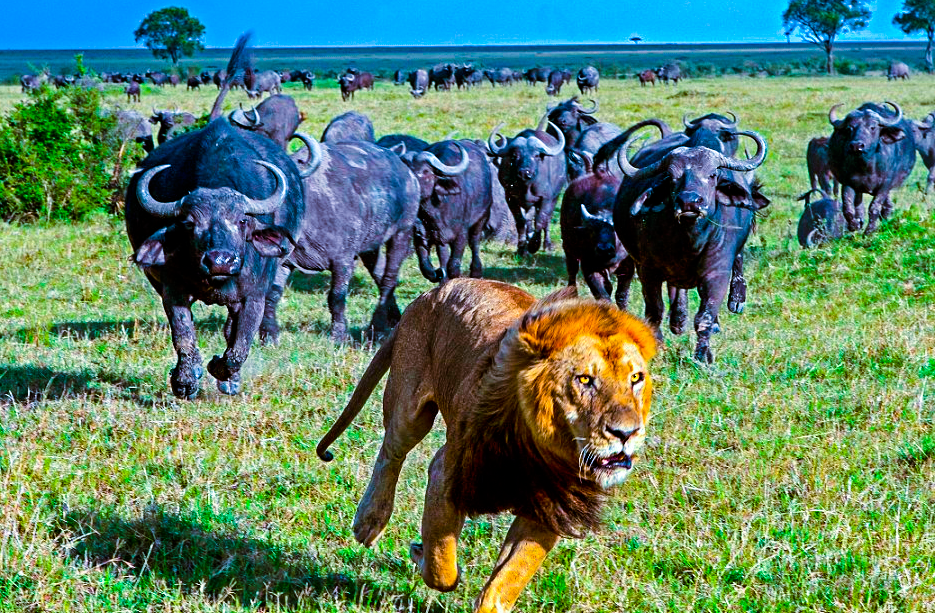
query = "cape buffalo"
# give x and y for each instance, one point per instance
(351, 82)
(669, 72)
(132, 90)
(442, 76)
(455, 186)
(683, 220)
(192, 83)
(211, 215)
(359, 197)
(463, 75)
(819, 166)
(588, 79)
(418, 82)
(923, 136)
(277, 118)
(898, 70)
(409, 143)
(554, 84)
(532, 172)
(647, 76)
(399, 77)
(351, 126)
(267, 81)
(820, 221)
(170, 123)
(871, 152)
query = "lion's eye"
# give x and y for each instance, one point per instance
(584, 379)
(636, 377)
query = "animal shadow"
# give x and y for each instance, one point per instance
(541, 269)
(31, 383)
(182, 551)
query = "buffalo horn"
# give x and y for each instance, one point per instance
(543, 123)
(399, 149)
(688, 124)
(438, 165)
(585, 216)
(499, 147)
(550, 151)
(150, 204)
(314, 154)
(899, 115)
(629, 169)
(592, 110)
(261, 207)
(734, 118)
(833, 114)
(813, 238)
(746, 165)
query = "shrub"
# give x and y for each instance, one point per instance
(55, 160)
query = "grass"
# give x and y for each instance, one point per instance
(794, 475)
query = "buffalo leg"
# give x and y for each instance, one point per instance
(931, 180)
(453, 267)
(711, 294)
(269, 327)
(737, 298)
(475, 234)
(887, 211)
(375, 263)
(387, 312)
(597, 284)
(526, 545)
(185, 377)
(678, 309)
(543, 217)
(571, 265)
(341, 273)
(850, 204)
(624, 272)
(245, 318)
(874, 212)
(437, 555)
(521, 239)
(424, 255)
(652, 296)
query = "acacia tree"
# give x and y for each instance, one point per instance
(918, 16)
(171, 33)
(820, 22)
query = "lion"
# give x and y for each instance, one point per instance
(546, 405)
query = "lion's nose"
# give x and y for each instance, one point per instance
(623, 435)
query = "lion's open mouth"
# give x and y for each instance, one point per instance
(614, 462)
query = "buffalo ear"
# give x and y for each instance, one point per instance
(447, 187)
(272, 241)
(639, 202)
(153, 250)
(496, 161)
(890, 135)
(730, 192)
(760, 200)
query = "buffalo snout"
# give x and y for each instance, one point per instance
(690, 203)
(221, 263)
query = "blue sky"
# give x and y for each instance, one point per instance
(67, 24)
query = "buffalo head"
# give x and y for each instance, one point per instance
(864, 129)
(519, 158)
(713, 131)
(571, 118)
(435, 177)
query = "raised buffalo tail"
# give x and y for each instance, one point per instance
(240, 60)
(375, 371)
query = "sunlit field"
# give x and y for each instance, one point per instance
(795, 474)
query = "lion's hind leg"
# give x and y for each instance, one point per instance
(526, 545)
(407, 421)
(437, 555)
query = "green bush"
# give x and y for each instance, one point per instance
(56, 162)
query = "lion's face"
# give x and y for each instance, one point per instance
(587, 398)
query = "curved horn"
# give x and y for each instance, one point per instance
(261, 207)
(586, 216)
(497, 148)
(833, 114)
(552, 106)
(810, 240)
(899, 115)
(555, 149)
(688, 124)
(238, 118)
(399, 149)
(154, 110)
(349, 76)
(543, 122)
(256, 117)
(629, 169)
(591, 110)
(150, 204)
(314, 154)
(438, 165)
(735, 119)
(746, 165)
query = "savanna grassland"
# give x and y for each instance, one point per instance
(796, 474)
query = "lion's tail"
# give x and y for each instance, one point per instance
(375, 371)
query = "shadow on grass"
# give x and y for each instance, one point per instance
(542, 269)
(29, 383)
(320, 283)
(183, 551)
(94, 330)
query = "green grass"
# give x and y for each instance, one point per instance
(794, 475)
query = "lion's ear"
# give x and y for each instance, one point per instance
(640, 335)
(568, 292)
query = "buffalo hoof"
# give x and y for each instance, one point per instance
(704, 355)
(676, 328)
(339, 334)
(535, 242)
(220, 369)
(186, 382)
(231, 387)
(871, 227)
(269, 335)
(437, 276)
(736, 306)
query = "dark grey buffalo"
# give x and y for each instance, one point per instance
(359, 197)
(408, 142)
(463, 74)
(211, 215)
(170, 123)
(923, 135)
(588, 237)
(819, 166)
(30, 82)
(455, 199)
(399, 77)
(500, 76)
(350, 126)
(588, 80)
(898, 70)
(205, 77)
(418, 82)
(353, 81)
(442, 76)
(669, 73)
(132, 90)
(821, 221)
(157, 78)
(60, 81)
(553, 86)
(267, 81)
(192, 83)
(684, 220)
(872, 151)
(532, 173)
(278, 118)
(132, 126)
(572, 118)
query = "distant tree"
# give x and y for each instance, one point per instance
(820, 22)
(171, 33)
(918, 16)
(636, 39)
